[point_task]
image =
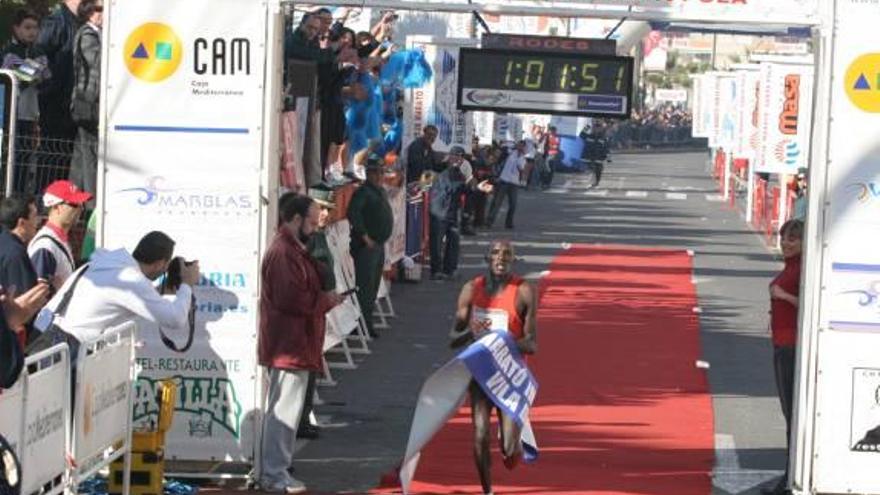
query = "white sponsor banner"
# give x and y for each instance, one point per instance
(786, 117)
(846, 334)
(708, 107)
(45, 432)
(508, 127)
(214, 390)
(183, 143)
(747, 112)
(436, 102)
(671, 95)
(697, 106)
(103, 387)
(395, 247)
(11, 411)
(727, 114)
(484, 126)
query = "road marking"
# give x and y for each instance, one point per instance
(676, 196)
(637, 194)
(714, 198)
(601, 193)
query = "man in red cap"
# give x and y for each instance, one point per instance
(50, 251)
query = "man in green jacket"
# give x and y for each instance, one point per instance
(371, 220)
(318, 248)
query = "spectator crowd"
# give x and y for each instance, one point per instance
(57, 62)
(660, 127)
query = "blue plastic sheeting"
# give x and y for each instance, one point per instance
(364, 119)
(407, 69)
(572, 148)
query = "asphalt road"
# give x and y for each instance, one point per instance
(644, 200)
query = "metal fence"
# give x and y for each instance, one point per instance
(37, 162)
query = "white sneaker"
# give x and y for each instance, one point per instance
(292, 486)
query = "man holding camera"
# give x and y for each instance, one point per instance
(116, 287)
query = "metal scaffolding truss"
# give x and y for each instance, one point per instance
(764, 12)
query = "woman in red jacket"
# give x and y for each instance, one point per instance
(784, 301)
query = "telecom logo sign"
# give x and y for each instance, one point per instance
(863, 82)
(787, 151)
(153, 52)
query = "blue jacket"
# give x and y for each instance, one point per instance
(445, 193)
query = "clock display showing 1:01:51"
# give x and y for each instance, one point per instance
(560, 75)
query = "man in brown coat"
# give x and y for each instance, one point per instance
(292, 309)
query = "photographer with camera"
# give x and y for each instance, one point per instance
(116, 287)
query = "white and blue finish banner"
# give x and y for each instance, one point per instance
(496, 365)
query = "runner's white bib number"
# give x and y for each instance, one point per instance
(489, 319)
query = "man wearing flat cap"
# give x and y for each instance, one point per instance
(371, 220)
(324, 195)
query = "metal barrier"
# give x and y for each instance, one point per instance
(38, 162)
(105, 376)
(35, 418)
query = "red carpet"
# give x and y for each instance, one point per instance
(621, 407)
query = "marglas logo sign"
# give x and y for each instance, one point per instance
(156, 195)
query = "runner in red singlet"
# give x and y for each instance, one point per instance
(499, 300)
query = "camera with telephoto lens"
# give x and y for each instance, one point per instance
(174, 277)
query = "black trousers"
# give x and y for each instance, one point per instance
(783, 366)
(503, 190)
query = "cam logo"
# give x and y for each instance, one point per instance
(862, 82)
(865, 192)
(153, 52)
(213, 401)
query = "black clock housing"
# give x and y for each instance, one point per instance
(540, 82)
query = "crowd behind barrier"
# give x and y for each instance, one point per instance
(64, 429)
(654, 129)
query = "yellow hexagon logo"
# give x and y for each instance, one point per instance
(153, 52)
(863, 82)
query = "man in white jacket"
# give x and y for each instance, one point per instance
(118, 287)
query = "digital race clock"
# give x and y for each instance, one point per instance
(549, 83)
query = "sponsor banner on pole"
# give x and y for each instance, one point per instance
(183, 152)
(726, 116)
(435, 103)
(671, 95)
(484, 126)
(698, 129)
(709, 106)
(846, 449)
(395, 248)
(747, 115)
(786, 117)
